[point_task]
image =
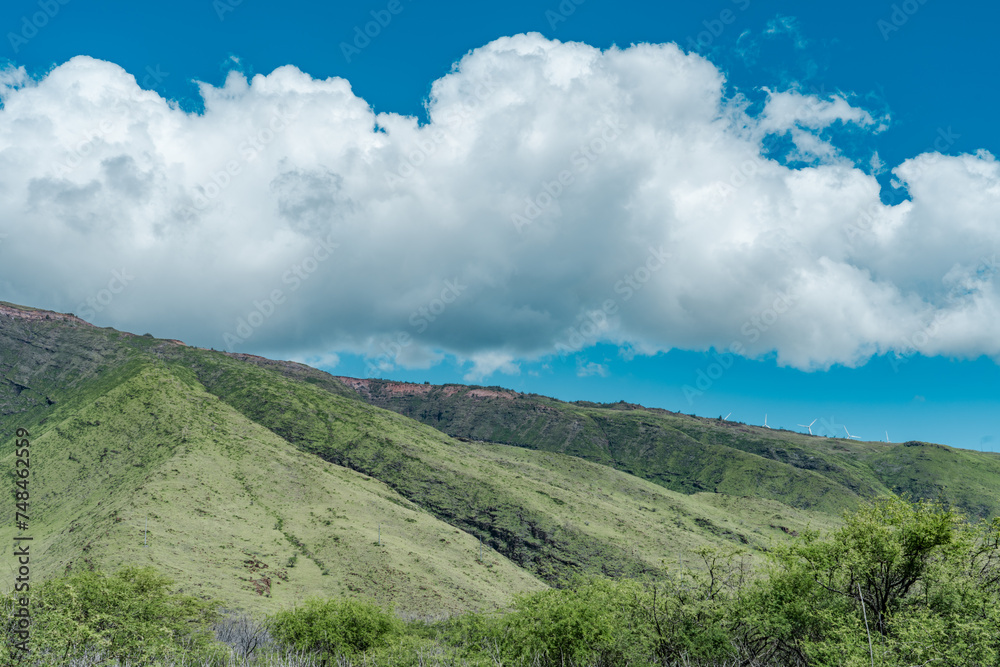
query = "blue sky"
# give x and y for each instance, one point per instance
(803, 108)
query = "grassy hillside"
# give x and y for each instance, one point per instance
(529, 506)
(959, 477)
(234, 512)
(46, 357)
(265, 481)
(691, 454)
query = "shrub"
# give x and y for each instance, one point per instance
(690, 616)
(130, 614)
(916, 578)
(333, 627)
(592, 622)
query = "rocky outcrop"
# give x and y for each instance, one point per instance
(368, 387)
(10, 310)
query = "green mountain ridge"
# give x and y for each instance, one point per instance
(689, 454)
(265, 481)
(229, 505)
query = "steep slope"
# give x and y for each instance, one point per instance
(547, 521)
(692, 454)
(45, 357)
(959, 477)
(236, 461)
(681, 453)
(234, 512)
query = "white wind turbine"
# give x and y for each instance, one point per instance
(765, 421)
(852, 437)
(887, 436)
(726, 418)
(809, 426)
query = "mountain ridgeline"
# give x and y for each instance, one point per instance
(261, 482)
(689, 454)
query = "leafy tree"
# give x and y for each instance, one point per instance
(590, 622)
(690, 614)
(131, 614)
(333, 627)
(900, 582)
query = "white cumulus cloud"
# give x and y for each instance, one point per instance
(290, 217)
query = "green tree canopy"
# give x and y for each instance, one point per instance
(917, 580)
(130, 614)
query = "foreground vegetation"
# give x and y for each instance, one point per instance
(898, 583)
